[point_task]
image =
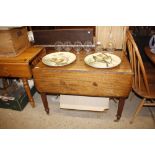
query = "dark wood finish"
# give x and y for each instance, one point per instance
(81, 79)
(144, 77)
(77, 27)
(120, 108)
(45, 102)
(21, 66)
(49, 37)
(150, 55)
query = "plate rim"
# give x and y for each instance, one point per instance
(57, 53)
(152, 50)
(103, 67)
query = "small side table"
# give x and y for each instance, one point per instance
(21, 67)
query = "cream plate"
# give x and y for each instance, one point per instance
(59, 59)
(153, 50)
(102, 60)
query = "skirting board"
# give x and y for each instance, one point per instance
(84, 103)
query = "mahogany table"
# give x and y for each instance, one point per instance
(150, 55)
(81, 79)
(21, 67)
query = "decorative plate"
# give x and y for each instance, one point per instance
(102, 60)
(59, 59)
(153, 50)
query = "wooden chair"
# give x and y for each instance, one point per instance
(144, 76)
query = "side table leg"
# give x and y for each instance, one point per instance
(45, 102)
(27, 89)
(120, 109)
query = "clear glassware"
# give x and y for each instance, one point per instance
(88, 46)
(110, 45)
(98, 47)
(58, 46)
(67, 46)
(77, 46)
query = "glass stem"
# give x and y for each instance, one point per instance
(110, 35)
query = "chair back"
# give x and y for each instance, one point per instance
(140, 82)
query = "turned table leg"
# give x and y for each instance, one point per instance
(27, 89)
(120, 109)
(45, 102)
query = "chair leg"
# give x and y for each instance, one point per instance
(137, 110)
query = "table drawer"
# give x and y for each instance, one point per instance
(38, 58)
(14, 70)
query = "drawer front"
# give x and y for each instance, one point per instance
(90, 84)
(15, 70)
(38, 58)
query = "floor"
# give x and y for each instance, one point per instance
(36, 118)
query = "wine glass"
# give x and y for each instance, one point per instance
(67, 46)
(87, 46)
(77, 46)
(98, 47)
(58, 46)
(110, 44)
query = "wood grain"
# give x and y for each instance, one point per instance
(79, 78)
(27, 89)
(144, 76)
(13, 41)
(21, 66)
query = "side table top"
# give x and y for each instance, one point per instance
(25, 57)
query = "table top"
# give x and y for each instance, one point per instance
(150, 55)
(25, 57)
(80, 66)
